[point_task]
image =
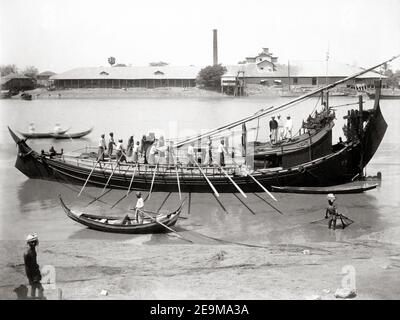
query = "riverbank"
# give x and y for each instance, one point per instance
(131, 269)
(108, 93)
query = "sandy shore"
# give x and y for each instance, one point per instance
(131, 270)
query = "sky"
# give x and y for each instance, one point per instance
(59, 35)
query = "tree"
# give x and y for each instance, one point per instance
(120, 65)
(7, 69)
(210, 77)
(393, 79)
(30, 72)
(111, 61)
(158, 64)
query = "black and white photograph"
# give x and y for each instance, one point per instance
(199, 151)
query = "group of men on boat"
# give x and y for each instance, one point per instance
(279, 130)
(146, 150)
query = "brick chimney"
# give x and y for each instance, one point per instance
(215, 47)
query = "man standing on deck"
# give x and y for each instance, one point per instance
(191, 155)
(31, 266)
(221, 151)
(120, 152)
(209, 151)
(280, 128)
(273, 128)
(102, 148)
(111, 144)
(170, 160)
(288, 128)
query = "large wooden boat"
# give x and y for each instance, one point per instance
(329, 164)
(152, 222)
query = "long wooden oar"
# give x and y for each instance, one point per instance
(83, 187)
(129, 189)
(165, 226)
(248, 208)
(208, 181)
(133, 176)
(109, 178)
(231, 180)
(273, 207)
(165, 200)
(152, 181)
(262, 187)
(97, 198)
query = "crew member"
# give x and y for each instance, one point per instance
(221, 151)
(111, 144)
(273, 128)
(120, 151)
(191, 155)
(209, 147)
(102, 148)
(170, 160)
(139, 206)
(331, 211)
(152, 154)
(57, 128)
(135, 152)
(288, 128)
(129, 147)
(31, 266)
(31, 128)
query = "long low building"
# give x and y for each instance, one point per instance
(297, 73)
(127, 77)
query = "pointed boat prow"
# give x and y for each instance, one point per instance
(13, 135)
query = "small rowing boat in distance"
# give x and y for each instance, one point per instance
(76, 135)
(152, 222)
(41, 135)
(338, 189)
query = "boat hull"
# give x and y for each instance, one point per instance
(145, 228)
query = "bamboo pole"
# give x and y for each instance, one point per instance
(231, 180)
(205, 177)
(165, 226)
(133, 176)
(152, 181)
(84, 185)
(262, 187)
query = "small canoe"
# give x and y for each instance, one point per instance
(76, 135)
(26, 96)
(339, 189)
(114, 224)
(41, 135)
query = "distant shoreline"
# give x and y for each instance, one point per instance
(109, 93)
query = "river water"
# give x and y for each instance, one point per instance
(32, 205)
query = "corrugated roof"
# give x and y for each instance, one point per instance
(47, 73)
(130, 73)
(301, 68)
